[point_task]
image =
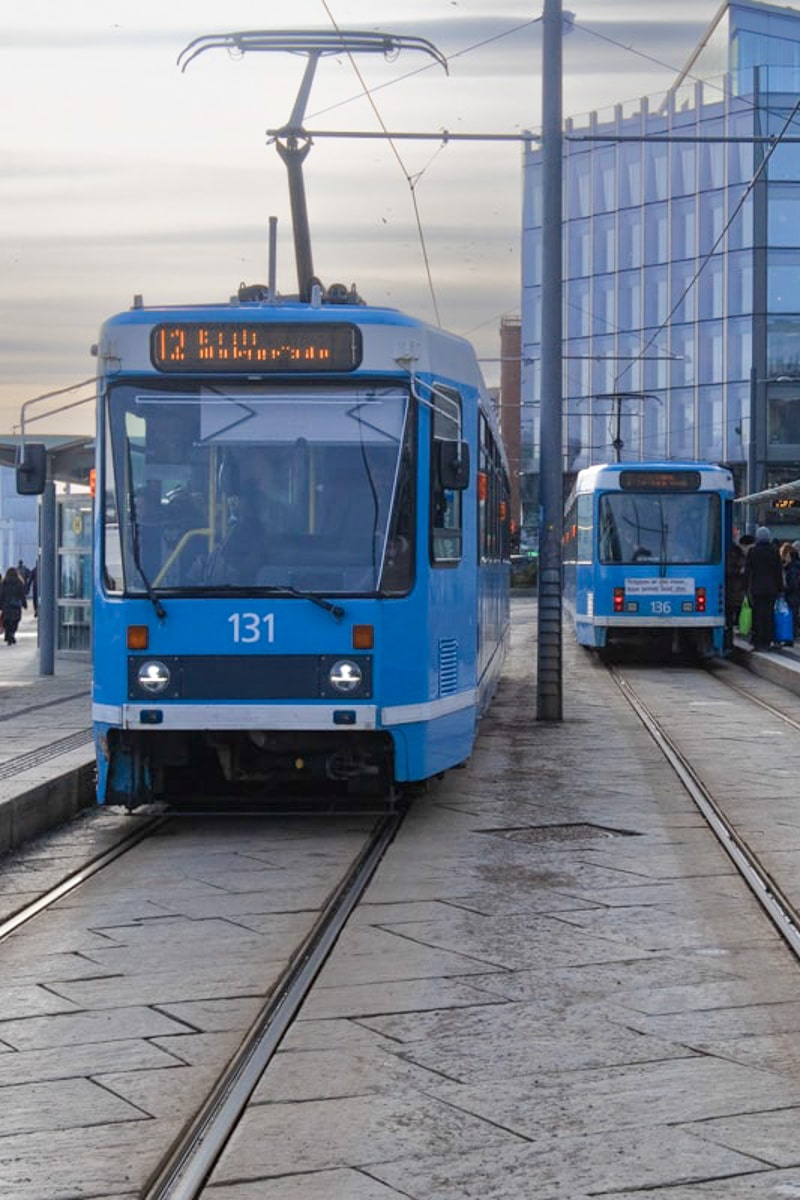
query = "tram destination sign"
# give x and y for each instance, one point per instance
(660, 481)
(250, 347)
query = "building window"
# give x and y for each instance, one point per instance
(712, 220)
(710, 352)
(709, 423)
(579, 243)
(712, 156)
(783, 346)
(683, 165)
(784, 214)
(604, 306)
(578, 168)
(578, 308)
(630, 239)
(630, 174)
(740, 282)
(783, 281)
(681, 424)
(740, 347)
(605, 245)
(605, 177)
(655, 160)
(656, 307)
(630, 299)
(684, 236)
(656, 233)
(710, 286)
(684, 291)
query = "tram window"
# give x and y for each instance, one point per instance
(658, 528)
(446, 507)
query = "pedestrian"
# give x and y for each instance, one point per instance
(763, 581)
(32, 588)
(791, 581)
(734, 586)
(12, 602)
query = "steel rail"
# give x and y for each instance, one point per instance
(792, 722)
(187, 1167)
(766, 890)
(74, 880)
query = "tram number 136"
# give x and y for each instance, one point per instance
(662, 608)
(252, 626)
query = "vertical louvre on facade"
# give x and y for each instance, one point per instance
(448, 667)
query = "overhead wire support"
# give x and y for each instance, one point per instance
(292, 141)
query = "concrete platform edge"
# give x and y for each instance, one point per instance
(46, 805)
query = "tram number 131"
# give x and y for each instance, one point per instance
(252, 626)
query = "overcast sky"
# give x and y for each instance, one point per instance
(122, 175)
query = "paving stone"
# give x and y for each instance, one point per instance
(349, 1131)
(414, 995)
(649, 1094)
(559, 1167)
(37, 1033)
(321, 1185)
(770, 1137)
(62, 1104)
(108, 1161)
(95, 1059)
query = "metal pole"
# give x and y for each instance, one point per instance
(551, 498)
(47, 581)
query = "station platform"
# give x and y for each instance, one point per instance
(46, 750)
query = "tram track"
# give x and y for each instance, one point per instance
(189, 1163)
(74, 879)
(771, 895)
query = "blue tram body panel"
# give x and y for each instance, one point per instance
(644, 555)
(301, 550)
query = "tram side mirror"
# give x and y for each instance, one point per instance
(31, 469)
(453, 465)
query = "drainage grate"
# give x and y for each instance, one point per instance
(540, 834)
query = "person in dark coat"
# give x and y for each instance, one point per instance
(791, 580)
(763, 581)
(734, 585)
(12, 602)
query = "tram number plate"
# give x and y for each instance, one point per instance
(673, 586)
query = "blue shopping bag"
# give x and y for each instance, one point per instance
(783, 622)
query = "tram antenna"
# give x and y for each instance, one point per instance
(292, 141)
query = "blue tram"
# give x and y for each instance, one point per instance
(301, 549)
(644, 555)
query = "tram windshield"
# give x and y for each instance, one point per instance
(217, 488)
(659, 529)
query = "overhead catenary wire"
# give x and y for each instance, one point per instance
(412, 181)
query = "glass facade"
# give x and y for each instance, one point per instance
(681, 273)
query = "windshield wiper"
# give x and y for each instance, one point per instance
(285, 589)
(161, 612)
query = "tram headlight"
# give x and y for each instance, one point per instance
(153, 677)
(345, 676)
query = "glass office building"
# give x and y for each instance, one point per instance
(681, 265)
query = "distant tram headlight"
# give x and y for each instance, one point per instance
(153, 677)
(345, 675)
